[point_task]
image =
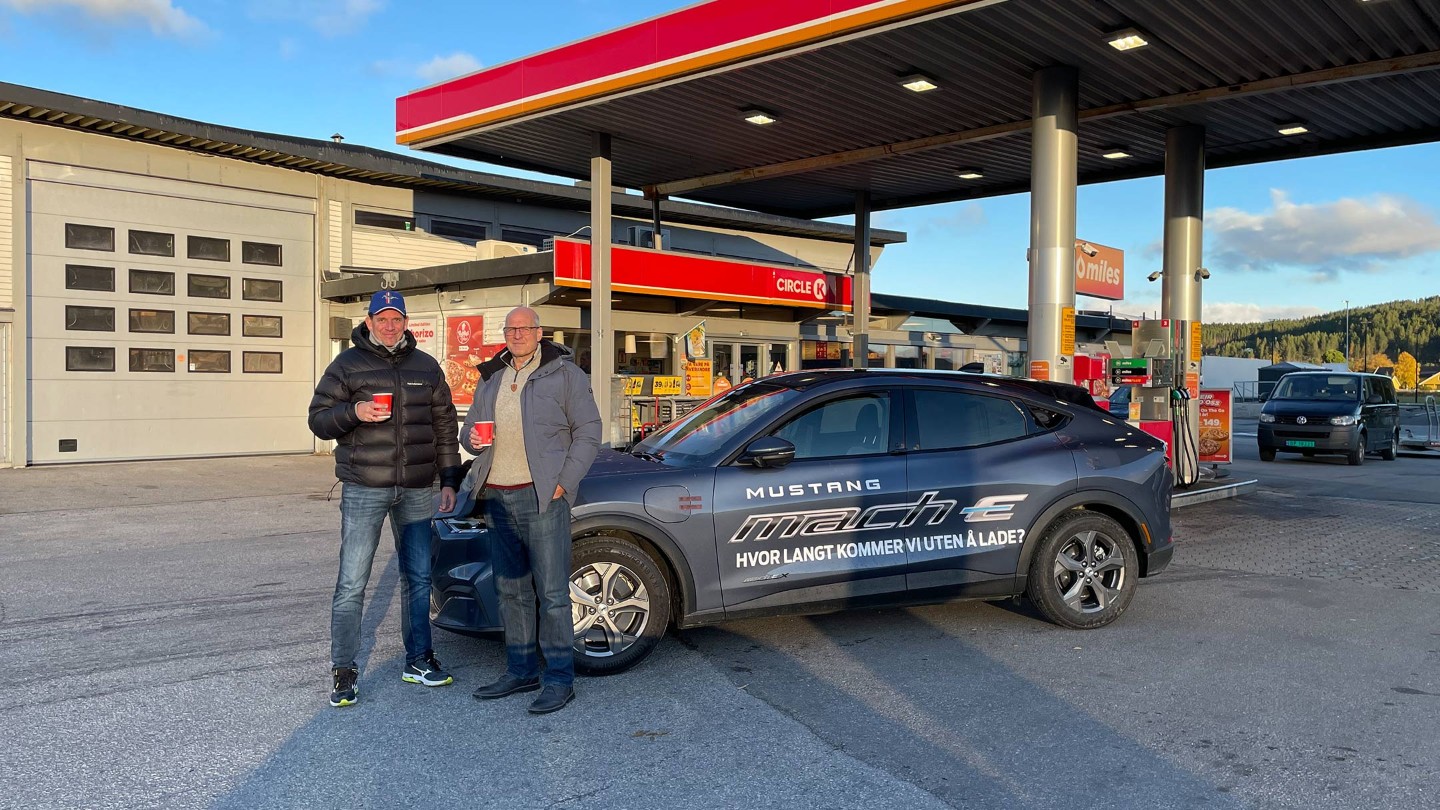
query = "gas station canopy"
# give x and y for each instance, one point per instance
(1267, 80)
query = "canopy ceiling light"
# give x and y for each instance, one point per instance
(918, 83)
(1114, 153)
(969, 174)
(757, 116)
(1292, 128)
(1127, 39)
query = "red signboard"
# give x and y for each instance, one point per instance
(1215, 426)
(465, 348)
(1099, 271)
(661, 272)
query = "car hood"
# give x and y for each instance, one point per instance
(613, 462)
(1310, 407)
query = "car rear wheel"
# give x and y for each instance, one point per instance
(1084, 571)
(1389, 452)
(1267, 454)
(1356, 456)
(619, 602)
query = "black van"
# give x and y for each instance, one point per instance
(1330, 413)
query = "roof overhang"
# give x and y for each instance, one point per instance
(670, 91)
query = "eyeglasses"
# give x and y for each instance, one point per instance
(514, 331)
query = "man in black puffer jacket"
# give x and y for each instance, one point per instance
(389, 454)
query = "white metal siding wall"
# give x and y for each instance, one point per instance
(335, 226)
(5, 394)
(127, 415)
(7, 237)
(399, 250)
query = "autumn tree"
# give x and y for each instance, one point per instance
(1406, 370)
(1376, 361)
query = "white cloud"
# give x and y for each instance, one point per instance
(966, 217)
(448, 67)
(329, 17)
(1243, 312)
(163, 18)
(1323, 240)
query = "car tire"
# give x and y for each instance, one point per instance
(1084, 572)
(1388, 453)
(1267, 454)
(610, 573)
(1356, 456)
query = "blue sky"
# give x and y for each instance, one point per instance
(1281, 240)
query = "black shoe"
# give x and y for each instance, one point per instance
(552, 699)
(507, 685)
(426, 671)
(345, 693)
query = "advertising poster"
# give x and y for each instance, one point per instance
(464, 350)
(426, 332)
(1215, 424)
(698, 379)
(695, 342)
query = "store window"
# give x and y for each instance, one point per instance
(375, 219)
(89, 358)
(201, 286)
(266, 326)
(90, 319)
(260, 253)
(152, 320)
(89, 237)
(465, 231)
(262, 289)
(908, 357)
(208, 323)
(152, 243)
(152, 360)
(209, 361)
(152, 282)
(208, 248)
(945, 359)
(85, 277)
(263, 363)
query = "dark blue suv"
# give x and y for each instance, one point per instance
(819, 491)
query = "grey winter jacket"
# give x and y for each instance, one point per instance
(560, 419)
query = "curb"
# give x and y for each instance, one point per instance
(1218, 492)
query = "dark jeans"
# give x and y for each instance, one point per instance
(532, 561)
(362, 512)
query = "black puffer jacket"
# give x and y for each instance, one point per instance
(417, 443)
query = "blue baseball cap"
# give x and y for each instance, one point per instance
(387, 299)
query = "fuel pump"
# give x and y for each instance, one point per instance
(1160, 391)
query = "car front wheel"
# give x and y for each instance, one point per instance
(1356, 456)
(1267, 454)
(619, 602)
(1084, 572)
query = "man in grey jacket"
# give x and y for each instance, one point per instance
(546, 432)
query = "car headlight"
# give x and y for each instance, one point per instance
(1267, 417)
(1343, 420)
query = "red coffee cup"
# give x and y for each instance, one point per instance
(484, 434)
(384, 400)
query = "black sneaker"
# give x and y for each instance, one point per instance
(346, 693)
(427, 671)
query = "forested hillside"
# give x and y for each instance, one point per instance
(1382, 329)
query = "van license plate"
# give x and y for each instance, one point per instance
(1297, 443)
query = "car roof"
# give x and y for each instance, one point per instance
(1067, 393)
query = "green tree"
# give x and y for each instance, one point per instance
(1333, 356)
(1406, 370)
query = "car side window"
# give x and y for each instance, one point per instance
(854, 426)
(948, 420)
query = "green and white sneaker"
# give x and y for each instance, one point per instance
(427, 671)
(345, 693)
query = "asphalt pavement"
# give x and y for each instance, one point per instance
(164, 643)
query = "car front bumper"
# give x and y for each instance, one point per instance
(1321, 438)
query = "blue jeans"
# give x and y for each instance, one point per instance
(362, 512)
(532, 562)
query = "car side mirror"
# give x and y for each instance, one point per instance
(1264, 397)
(1374, 399)
(768, 451)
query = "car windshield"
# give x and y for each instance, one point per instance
(705, 429)
(1336, 387)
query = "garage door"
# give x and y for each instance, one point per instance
(167, 319)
